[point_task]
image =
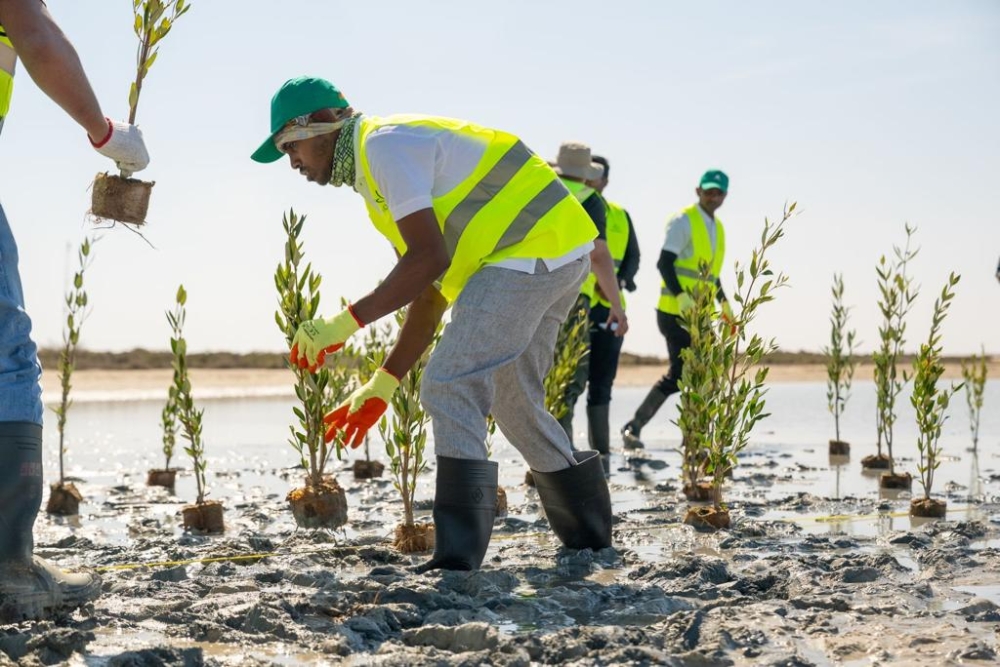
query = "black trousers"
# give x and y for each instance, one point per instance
(597, 370)
(677, 339)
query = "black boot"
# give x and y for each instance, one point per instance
(598, 428)
(464, 510)
(577, 502)
(630, 432)
(30, 588)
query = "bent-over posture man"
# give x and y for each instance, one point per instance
(481, 223)
(29, 586)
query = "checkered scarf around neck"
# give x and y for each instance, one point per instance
(302, 127)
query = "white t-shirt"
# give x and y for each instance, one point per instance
(678, 239)
(413, 164)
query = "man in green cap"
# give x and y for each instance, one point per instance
(695, 235)
(481, 224)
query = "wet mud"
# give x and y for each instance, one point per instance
(798, 580)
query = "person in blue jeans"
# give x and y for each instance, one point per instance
(30, 587)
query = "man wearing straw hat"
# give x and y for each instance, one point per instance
(482, 224)
(29, 586)
(577, 170)
(695, 235)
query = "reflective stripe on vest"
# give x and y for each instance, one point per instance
(512, 205)
(8, 62)
(617, 232)
(688, 272)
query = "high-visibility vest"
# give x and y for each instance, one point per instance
(512, 205)
(582, 192)
(617, 233)
(688, 270)
(8, 60)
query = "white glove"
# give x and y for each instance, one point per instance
(125, 146)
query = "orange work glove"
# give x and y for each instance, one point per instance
(314, 339)
(362, 408)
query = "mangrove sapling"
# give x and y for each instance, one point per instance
(405, 437)
(64, 497)
(720, 411)
(896, 295)
(700, 383)
(377, 341)
(321, 503)
(930, 405)
(840, 365)
(122, 198)
(974, 375)
(203, 516)
(166, 475)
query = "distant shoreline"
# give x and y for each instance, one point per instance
(151, 384)
(140, 359)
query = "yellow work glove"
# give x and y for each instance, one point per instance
(362, 409)
(684, 302)
(314, 339)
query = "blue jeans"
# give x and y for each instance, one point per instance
(20, 390)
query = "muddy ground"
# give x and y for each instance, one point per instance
(873, 587)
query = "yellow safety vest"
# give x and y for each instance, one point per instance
(582, 192)
(688, 273)
(617, 233)
(511, 206)
(8, 60)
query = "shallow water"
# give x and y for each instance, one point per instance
(817, 563)
(113, 443)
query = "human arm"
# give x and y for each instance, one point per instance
(417, 333)
(603, 267)
(668, 272)
(425, 259)
(366, 405)
(53, 63)
(54, 66)
(630, 262)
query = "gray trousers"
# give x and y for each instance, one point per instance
(493, 358)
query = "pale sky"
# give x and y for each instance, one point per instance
(869, 115)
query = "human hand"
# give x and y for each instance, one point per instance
(124, 144)
(617, 320)
(684, 302)
(362, 409)
(314, 339)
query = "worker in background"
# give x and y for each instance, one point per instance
(605, 345)
(481, 223)
(30, 587)
(578, 172)
(695, 235)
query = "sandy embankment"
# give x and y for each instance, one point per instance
(277, 381)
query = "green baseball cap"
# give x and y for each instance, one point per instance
(713, 179)
(297, 97)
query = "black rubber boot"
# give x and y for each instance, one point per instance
(464, 510)
(598, 428)
(630, 432)
(30, 588)
(577, 502)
